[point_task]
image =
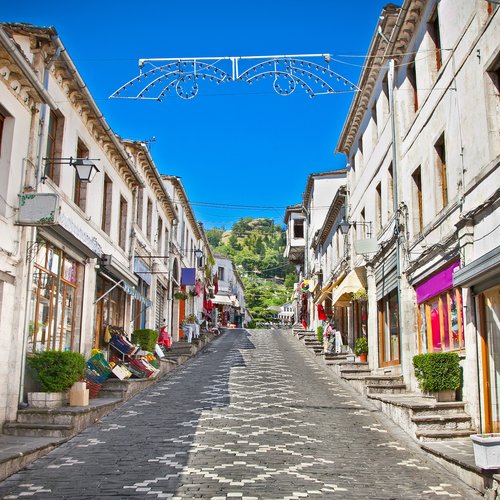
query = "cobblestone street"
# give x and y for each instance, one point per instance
(251, 417)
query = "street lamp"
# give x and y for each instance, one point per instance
(345, 225)
(85, 167)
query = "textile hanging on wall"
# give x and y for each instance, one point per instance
(321, 313)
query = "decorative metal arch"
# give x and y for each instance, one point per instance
(159, 78)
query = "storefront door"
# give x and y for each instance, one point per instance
(389, 338)
(489, 309)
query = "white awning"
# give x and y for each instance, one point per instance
(285, 314)
(222, 299)
(352, 283)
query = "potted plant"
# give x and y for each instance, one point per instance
(361, 349)
(180, 295)
(55, 372)
(319, 334)
(438, 374)
(486, 450)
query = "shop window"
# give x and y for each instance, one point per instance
(167, 241)
(139, 309)
(140, 206)
(417, 208)
(360, 309)
(390, 190)
(107, 205)
(149, 219)
(55, 301)
(389, 337)
(80, 192)
(54, 147)
(493, 103)
(2, 121)
(122, 228)
(441, 175)
(360, 150)
(159, 235)
(378, 207)
(374, 122)
(433, 30)
(220, 274)
(441, 320)
(412, 80)
(298, 228)
(110, 308)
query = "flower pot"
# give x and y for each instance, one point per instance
(363, 358)
(486, 450)
(47, 399)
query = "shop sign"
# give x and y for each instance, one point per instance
(142, 270)
(443, 280)
(38, 209)
(76, 231)
(130, 290)
(188, 276)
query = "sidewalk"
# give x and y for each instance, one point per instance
(455, 455)
(16, 452)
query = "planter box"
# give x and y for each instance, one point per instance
(47, 399)
(486, 450)
(442, 396)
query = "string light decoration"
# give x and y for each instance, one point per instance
(159, 78)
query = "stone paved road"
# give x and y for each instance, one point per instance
(253, 417)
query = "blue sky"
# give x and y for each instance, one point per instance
(234, 144)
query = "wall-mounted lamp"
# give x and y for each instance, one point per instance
(345, 225)
(85, 167)
(198, 253)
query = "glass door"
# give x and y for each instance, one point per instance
(490, 331)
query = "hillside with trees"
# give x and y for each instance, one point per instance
(256, 247)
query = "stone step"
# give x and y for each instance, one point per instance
(385, 389)
(30, 416)
(363, 370)
(451, 408)
(353, 376)
(441, 422)
(353, 367)
(385, 379)
(441, 435)
(38, 430)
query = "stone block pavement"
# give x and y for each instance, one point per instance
(252, 417)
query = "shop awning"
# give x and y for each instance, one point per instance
(355, 280)
(285, 314)
(324, 293)
(222, 299)
(327, 289)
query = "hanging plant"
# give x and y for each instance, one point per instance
(360, 295)
(180, 295)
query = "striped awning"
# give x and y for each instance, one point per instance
(353, 282)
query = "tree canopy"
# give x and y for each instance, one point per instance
(256, 247)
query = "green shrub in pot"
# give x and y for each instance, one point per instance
(57, 371)
(437, 371)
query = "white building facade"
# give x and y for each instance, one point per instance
(423, 146)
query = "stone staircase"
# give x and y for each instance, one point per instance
(424, 418)
(385, 384)
(61, 423)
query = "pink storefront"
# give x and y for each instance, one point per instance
(440, 320)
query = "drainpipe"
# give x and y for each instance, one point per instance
(42, 139)
(396, 204)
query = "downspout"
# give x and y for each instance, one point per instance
(395, 200)
(42, 138)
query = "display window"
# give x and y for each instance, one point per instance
(55, 300)
(388, 325)
(110, 308)
(440, 321)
